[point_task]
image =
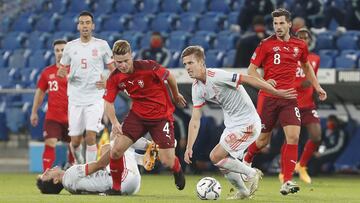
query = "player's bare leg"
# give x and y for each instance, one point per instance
(314, 130)
(76, 147)
(91, 148)
(168, 159)
(290, 154)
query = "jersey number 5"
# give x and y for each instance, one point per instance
(83, 63)
(276, 58)
(53, 85)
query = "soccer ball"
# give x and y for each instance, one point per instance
(208, 188)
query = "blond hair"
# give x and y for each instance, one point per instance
(121, 47)
(198, 51)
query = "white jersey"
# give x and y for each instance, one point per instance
(224, 88)
(86, 61)
(75, 181)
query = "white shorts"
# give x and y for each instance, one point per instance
(83, 118)
(237, 140)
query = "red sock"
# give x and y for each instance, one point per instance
(309, 149)
(290, 157)
(116, 170)
(282, 158)
(70, 156)
(252, 150)
(176, 167)
(48, 157)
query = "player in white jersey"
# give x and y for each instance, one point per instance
(85, 57)
(94, 177)
(241, 120)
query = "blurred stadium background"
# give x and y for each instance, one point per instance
(28, 28)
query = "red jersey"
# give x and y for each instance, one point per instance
(57, 94)
(305, 95)
(279, 59)
(146, 87)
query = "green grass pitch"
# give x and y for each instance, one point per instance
(160, 188)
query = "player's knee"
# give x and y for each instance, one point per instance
(214, 158)
(114, 154)
(292, 139)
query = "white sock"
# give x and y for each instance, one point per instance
(78, 154)
(236, 166)
(236, 181)
(141, 144)
(91, 153)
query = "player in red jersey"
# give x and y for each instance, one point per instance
(56, 119)
(151, 111)
(279, 55)
(309, 115)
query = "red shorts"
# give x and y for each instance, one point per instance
(161, 131)
(54, 129)
(272, 109)
(309, 115)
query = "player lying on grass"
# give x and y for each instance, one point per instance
(95, 177)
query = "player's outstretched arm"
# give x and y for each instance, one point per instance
(310, 75)
(260, 84)
(38, 100)
(179, 99)
(194, 126)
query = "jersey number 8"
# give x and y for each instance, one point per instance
(276, 58)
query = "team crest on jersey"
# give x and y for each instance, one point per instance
(52, 76)
(211, 73)
(276, 49)
(296, 51)
(141, 83)
(45, 133)
(94, 52)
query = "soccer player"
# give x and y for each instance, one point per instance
(94, 177)
(241, 120)
(279, 55)
(56, 118)
(151, 111)
(85, 57)
(307, 108)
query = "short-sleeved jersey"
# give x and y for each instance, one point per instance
(279, 59)
(224, 88)
(146, 87)
(57, 97)
(86, 61)
(305, 95)
(75, 179)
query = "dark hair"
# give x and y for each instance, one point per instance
(87, 13)
(282, 12)
(156, 33)
(48, 187)
(304, 30)
(59, 41)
